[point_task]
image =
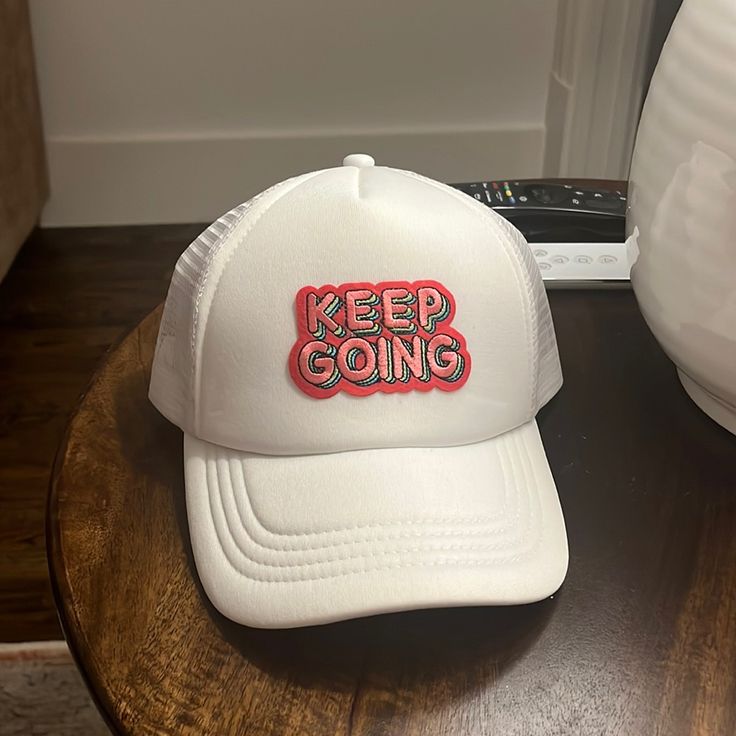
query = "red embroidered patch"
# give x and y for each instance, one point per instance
(362, 338)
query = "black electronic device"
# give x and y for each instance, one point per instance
(551, 212)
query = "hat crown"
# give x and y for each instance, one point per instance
(389, 248)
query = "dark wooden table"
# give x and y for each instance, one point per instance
(641, 639)
(70, 294)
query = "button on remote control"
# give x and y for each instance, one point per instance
(578, 265)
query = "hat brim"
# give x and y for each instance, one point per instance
(281, 542)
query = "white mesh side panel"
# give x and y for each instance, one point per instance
(546, 359)
(549, 372)
(172, 375)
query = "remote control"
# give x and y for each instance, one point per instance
(582, 265)
(577, 233)
(546, 196)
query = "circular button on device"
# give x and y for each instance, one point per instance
(583, 259)
(607, 259)
(361, 160)
(544, 266)
(539, 253)
(559, 259)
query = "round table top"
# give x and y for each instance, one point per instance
(640, 639)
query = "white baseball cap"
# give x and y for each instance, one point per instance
(356, 357)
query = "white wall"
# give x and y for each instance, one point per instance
(164, 111)
(596, 87)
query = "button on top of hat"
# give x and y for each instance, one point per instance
(361, 160)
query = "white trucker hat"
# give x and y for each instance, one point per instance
(356, 357)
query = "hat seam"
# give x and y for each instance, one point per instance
(529, 314)
(460, 561)
(432, 521)
(488, 528)
(525, 553)
(368, 540)
(198, 329)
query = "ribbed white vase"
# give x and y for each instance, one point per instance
(682, 217)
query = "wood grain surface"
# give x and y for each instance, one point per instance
(641, 639)
(70, 293)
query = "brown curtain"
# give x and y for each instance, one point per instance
(23, 178)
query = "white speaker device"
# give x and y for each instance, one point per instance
(682, 221)
(356, 357)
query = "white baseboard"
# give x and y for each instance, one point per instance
(596, 87)
(195, 179)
